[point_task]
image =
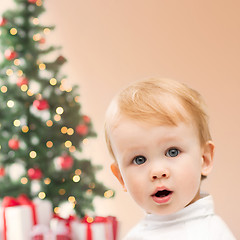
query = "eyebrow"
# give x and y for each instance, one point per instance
(163, 140)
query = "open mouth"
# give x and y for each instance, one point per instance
(162, 196)
(163, 193)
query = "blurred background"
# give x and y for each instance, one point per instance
(111, 43)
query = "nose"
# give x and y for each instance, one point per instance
(159, 173)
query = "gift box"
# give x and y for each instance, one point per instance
(99, 228)
(18, 216)
(17, 220)
(44, 212)
(40, 232)
(60, 228)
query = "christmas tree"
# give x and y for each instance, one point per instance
(42, 127)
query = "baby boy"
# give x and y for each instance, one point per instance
(157, 133)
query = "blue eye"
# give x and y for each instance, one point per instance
(139, 160)
(172, 152)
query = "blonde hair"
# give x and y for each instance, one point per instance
(158, 102)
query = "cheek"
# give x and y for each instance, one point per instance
(131, 180)
(190, 174)
(134, 183)
(189, 171)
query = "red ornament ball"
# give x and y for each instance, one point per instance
(86, 119)
(32, 1)
(13, 144)
(22, 81)
(82, 129)
(2, 171)
(10, 54)
(34, 173)
(41, 104)
(61, 60)
(65, 162)
(3, 21)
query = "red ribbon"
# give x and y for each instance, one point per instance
(114, 223)
(22, 200)
(98, 219)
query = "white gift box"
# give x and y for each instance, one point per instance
(99, 230)
(19, 219)
(19, 222)
(44, 212)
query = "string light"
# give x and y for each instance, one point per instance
(89, 219)
(4, 89)
(25, 129)
(56, 210)
(16, 123)
(85, 141)
(24, 87)
(78, 171)
(13, 31)
(69, 89)
(35, 21)
(61, 88)
(42, 195)
(46, 31)
(64, 130)
(53, 81)
(49, 144)
(108, 194)
(57, 117)
(9, 72)
(16, 62)
(36, 37)
(42, 66)
(76, 178)
(32, 154)
(77, 99)
(10, 103)
(70, 131)
(47, 181)
(19, 73)
(24, 180)
(29, 93)
(68, 144)
(72, 149)
(71, 199)
(39, 3)
(49, 123)
(59, 110)
(62, 191)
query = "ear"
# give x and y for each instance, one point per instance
(116, 172)
(207, 158)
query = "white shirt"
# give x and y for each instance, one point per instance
(195, 222)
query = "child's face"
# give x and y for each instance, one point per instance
(160, 166)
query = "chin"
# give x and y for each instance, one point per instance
(163, 210)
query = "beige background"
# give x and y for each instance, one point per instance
(110, 43)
